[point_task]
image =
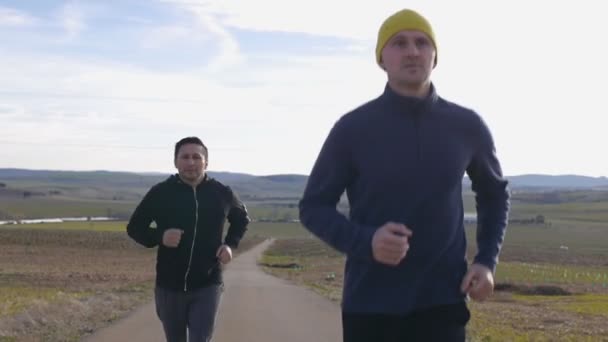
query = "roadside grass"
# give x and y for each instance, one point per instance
(590, 278)
(61, 285)
(520, 310)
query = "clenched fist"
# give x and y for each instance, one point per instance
(172, 237)
(224, 254)
(478, 283)
(391, 243)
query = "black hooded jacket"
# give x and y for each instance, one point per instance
(201, 213)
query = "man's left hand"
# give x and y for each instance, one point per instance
(478, 283)
(224, 254)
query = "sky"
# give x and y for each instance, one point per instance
(113, 84)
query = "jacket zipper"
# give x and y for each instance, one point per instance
(193, 240)
(418, 136)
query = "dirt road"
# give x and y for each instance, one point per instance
(256, 307)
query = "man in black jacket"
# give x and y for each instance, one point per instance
(189, 210)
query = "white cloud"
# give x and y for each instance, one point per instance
(216, 48)
(12, 17)
(8, 111)
(74, 101)
(72, 19)
(229, 52)
(538, 84)
(338, 18)
(161, 36)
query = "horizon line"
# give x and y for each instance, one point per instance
(276, 174)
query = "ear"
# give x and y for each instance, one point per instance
(382, 64)
(175, 162)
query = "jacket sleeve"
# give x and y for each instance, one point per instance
(491, 199)
(238, 219)
(138, 227)
(332, 173)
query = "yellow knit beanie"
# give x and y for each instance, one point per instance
(403, 20)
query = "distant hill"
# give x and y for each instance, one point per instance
(103, 177)
(562, 181)
(130, 186)
(549, 182)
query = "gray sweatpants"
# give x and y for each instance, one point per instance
(194, 311)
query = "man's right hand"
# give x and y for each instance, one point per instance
(172, 237)
(391, 243)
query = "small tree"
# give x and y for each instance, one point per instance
(287, 216)
(539, 219)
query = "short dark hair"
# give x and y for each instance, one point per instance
(190, 140)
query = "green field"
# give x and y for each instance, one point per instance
(262, 229)
(51, 207)
(48, 207)
(553, 277)
(564, 256)
(533, 301)
(62, 285)
(103, 226)
(574, 213)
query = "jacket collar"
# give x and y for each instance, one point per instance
(176, 179)
(409, 103)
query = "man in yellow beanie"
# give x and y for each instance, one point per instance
(401, 159)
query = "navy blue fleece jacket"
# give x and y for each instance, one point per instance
(403, 159)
